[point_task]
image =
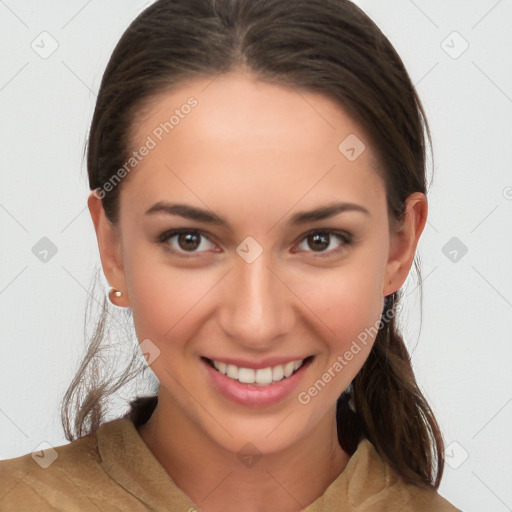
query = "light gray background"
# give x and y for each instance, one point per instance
(462, 353)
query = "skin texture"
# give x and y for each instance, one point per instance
(255, 154)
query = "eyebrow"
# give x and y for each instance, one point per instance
(201, 215)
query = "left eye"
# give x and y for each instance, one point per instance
(320, 241)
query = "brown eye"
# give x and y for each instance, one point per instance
(189, 241)
(324, 242)
(183, 241)
(318, 242)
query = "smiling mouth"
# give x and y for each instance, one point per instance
(262, 376)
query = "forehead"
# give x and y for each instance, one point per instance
(235, 138)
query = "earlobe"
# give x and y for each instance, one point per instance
(109, 246)
(404, 241)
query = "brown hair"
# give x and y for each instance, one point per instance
(326, 46)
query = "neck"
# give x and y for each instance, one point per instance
(218, 480)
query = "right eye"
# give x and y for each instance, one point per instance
(183, 241)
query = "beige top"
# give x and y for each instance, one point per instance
(114, 470)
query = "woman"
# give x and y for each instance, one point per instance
(257, 175)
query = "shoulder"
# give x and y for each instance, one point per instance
(68, 477)
(35, 480)
(373, 486)
(368, 484)
(415, 499)
(394, 493)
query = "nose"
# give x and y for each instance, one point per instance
(257, 308)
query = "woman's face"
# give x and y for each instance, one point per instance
(256, 280)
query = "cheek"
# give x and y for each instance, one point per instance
(163, 298)
(347, 303)
(346, 300)
(352, 315)
(359, 306)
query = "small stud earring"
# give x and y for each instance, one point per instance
(114, 293)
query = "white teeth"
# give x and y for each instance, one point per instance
(262, 376)
(288, 369)
(277, 373)
(232, 371)
(222, 367)
(246, 375)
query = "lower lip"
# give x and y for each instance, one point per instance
(252, 395)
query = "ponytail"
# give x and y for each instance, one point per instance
(390, 410)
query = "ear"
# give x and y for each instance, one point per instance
(404, 241)
(109, 244)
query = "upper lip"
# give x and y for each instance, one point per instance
(256, 365)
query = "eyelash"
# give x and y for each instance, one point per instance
(344, 237)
